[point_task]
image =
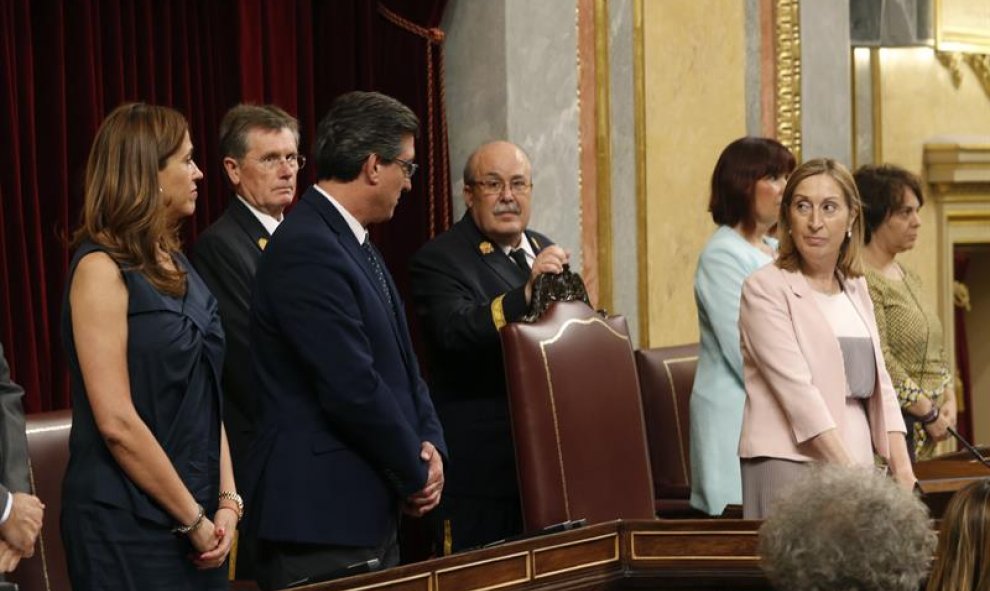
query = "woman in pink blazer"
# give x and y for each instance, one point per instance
(816, 386)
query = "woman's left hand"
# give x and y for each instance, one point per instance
(225, 524)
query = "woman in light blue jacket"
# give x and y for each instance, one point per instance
(746, 188)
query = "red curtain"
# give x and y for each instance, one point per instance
(64, 64)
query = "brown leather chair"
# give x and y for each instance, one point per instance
(666, 376)
(576, 418)
(48, 451)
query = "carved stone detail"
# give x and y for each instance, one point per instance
(979, 63)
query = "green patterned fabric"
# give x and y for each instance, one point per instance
(911, 339)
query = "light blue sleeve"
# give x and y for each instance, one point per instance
(718, 288)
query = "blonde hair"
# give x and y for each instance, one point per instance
(850, 263)
(963, 556)
(123, 207)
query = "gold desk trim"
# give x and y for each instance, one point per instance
(524, 555)
(710, 557)
(615, 556)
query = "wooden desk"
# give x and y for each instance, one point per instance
(705, 554)
(940, 478)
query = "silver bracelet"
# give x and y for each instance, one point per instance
(186, 529)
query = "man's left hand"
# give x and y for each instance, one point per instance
(428, 498)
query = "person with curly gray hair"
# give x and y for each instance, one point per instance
(843, 528)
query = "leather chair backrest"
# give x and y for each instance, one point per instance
(666, 377)
(48, 451)
(576, 416)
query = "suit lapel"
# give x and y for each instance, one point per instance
(250, 224)
(350, 245)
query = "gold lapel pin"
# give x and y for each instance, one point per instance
(486, 247)
(262, 243)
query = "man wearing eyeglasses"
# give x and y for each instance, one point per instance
(349, 437)
(467, 283)
(259, 145)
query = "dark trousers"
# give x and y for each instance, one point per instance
(280, 564)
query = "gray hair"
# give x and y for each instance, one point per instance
(846, 529)
(244, 117)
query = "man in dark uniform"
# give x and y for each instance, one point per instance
(259, 145)
(468, 283)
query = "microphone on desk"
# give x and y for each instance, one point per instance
(969, 447)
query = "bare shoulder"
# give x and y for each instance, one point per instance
(97, 277)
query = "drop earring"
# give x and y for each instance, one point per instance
(849, 232)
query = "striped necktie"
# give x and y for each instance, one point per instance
(378, 270)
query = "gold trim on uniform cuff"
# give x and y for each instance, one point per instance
(498, 314)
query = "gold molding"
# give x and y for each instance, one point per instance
(524, 555)
(428, 576)
(876, 102)
(636, 555)
(584, 565)
(603, 139)
(787, 37)
(979, 63)
(639, 105)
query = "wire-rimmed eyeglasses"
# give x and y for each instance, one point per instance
(408, 168)
(495, 186)
(274, 161)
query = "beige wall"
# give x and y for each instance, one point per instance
(695, 104)
(918, 101)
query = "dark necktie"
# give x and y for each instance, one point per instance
(376, 268)
(519, 256)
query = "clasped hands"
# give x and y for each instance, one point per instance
(424, 501)
(212, 539)
(21, 530)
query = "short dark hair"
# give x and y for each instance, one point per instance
(357, 125)
(882, 190)
(742, 163)
(244, 117)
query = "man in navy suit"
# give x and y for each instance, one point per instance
(260, 149)
(349, 437)
(467, 283)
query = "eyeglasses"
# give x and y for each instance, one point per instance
(518, 187)
(273, 161)
(408, 168)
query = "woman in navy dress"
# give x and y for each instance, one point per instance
(148, 500)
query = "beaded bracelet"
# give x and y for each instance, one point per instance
(187, 529)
